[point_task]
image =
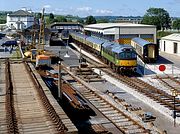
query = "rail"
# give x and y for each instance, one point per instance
(10, 110)
(12, 122)
(50, 110)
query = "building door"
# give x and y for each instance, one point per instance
(164, 46)
(175, 47)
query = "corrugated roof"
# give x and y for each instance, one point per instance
(175, 37)
(110, 25)
(141, 41)
(21, 13)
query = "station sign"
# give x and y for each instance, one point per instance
(162, 68)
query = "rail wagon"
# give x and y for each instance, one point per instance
(147, 51)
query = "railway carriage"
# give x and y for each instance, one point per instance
(95, 44)
(78, 38)
(120, 57)
(147, 51)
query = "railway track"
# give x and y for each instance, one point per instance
(119, 118)
(27, 108)
(170, 82)
(142, 87)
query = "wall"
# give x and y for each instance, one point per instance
(169, 46)
(26, 22)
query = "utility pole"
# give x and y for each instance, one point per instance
(174, 94)
(41, 34)
(59, 80)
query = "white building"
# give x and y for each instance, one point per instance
(20, 19)
(122, 32)
(170, 44)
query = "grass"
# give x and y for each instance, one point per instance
(16, 54)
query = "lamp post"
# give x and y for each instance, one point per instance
(59, 79)
(174, 94)
(60, 92)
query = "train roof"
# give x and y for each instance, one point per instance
(141, 41)
(115, 47)
(119, 48)
(95, 40)
(80, 35)
(106, 44)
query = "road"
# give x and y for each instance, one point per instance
(173, 59)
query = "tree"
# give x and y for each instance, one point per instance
(38, 15)
(176, 24)
(90, 20)
(158, 17)
(80, 20)
(51, 16)
(102, 21)
(50, 19)
(61, 19)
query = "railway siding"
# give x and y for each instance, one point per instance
(127, 122)
(35, 109)
(29, 111)
(153, 103)
(71, 129)
(3, 121)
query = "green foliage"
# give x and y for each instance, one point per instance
(51, 16)
(158, 17)
(3, 17)
(102, 21)
(80, 20)
(61, 19)
(176, 24)
(17, 54)
(2, 21)
(90, 20)
(38, 15)
(162, 34)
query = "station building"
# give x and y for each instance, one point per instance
(170, 44)
(20, 19)
(122, 32)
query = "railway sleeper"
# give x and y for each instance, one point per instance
(117, 118)
(110, 112)
(97, 103)
(136, 131)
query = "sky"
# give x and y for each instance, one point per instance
(84, 8)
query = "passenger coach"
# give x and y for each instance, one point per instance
(147, 51)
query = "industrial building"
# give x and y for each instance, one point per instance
(122, 32)
(130, 19)
(170, 44)
(20, 19)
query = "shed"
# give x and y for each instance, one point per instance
(170, 44)
(122, 32)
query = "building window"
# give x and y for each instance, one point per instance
(175, 47)
(164, 46)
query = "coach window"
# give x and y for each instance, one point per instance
(175, 47)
